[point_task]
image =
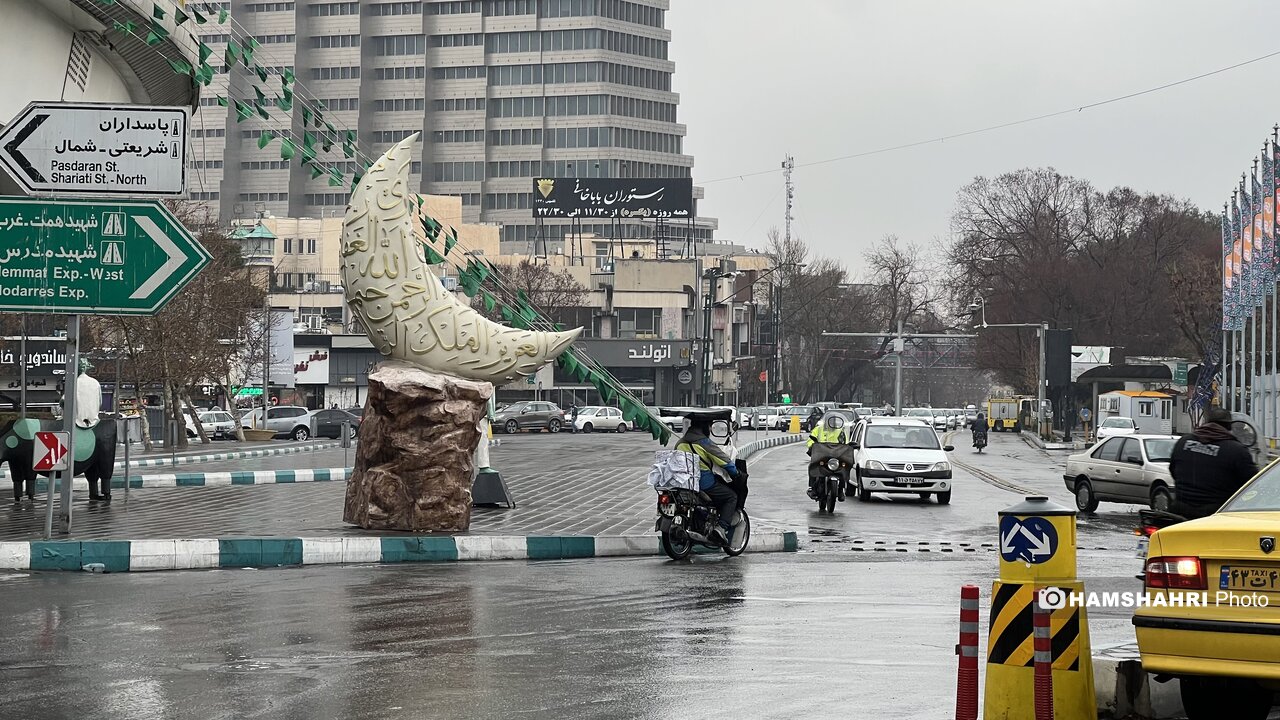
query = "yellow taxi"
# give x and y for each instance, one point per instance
(1211, 615)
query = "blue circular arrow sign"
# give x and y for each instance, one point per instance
(1032, 539)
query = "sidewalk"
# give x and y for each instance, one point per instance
(221, 451)
(580, 499)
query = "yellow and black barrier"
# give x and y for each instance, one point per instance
(1037, 565)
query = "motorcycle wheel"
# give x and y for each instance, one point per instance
(829, 500)
(677, 549)
(736, 549)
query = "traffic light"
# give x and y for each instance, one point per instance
(786, 398)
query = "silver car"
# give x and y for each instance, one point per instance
(286, 420)
(1125, 468)
(534, 415)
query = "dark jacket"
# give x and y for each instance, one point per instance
(1208, 467)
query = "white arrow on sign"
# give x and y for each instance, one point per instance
(171, 264)
(1039, 545)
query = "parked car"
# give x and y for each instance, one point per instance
(900, 455)
(217, 424)
(1127, 468)
(285, 420)
(970, 415)
(532, 415)
(925, 414)
(595, 417)
(800, 411)
(328, 423)
(1210, 620)
(767, 418)
(1114, 426)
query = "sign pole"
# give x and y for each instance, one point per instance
(69, 417)
(22, 370)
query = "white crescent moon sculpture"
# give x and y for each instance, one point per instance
(405, 309)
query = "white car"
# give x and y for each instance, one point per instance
(217, 424)
(594, 417)
(1114, 426)
(767, 418)
(899, 456)
(1127, 469)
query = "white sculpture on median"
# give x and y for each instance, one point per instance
(405, 309)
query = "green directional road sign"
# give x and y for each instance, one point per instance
(98, 258)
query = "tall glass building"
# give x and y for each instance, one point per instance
(503, 91)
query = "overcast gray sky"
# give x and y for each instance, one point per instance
(825, 78)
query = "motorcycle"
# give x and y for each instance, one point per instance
(979, 441)
(1149, 521)
(829, 465)
(686, 515)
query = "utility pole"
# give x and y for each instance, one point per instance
(899, 347)
(788, 165)
(1043, 381)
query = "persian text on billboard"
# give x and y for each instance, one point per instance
(644, 198)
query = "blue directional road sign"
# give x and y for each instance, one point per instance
(1031, 539)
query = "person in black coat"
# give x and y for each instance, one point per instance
(1209, 466)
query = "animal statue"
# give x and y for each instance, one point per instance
(94, 448)
(403, 306)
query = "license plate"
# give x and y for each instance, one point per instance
(1249, 579)
(910, 481)
(1142, 547)
(667, 509)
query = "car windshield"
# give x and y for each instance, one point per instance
(919, 412)
(1125, 423)
(1159, 450)
(900, 436)
(588, 411)
(1260, 494)
(514, 407)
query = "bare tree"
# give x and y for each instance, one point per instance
(547, 289)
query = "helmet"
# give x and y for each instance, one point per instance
(834, 422)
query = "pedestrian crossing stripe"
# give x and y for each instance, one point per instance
(1009, 640)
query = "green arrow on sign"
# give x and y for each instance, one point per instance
(98, 258)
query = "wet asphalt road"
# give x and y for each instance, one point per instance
(836, 630)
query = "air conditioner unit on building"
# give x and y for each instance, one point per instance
(450, 283)
(739, 315)
(309, 287)
(315, 323)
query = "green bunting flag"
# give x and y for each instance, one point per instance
(181, 67)
(450, 240)
(306, 116)
(470, 285)
(157, 34)
(356, 178)
(287, 149)
(433, 257)
(200, 18)
(231, 55)
(490, 302)
(179, 16)
(204, 74)
(222, 15)
(316, 170)
(287, 77)
(205, 52)
(285, 102)
(244, 111)
(335, 176)
(349, 147)
(124, 28)
(265, 139)
(431, 226)
(157, 12)
(222, 100)
(261, 72)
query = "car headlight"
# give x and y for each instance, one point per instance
(942, 467)
(875, 465)
(833, 464)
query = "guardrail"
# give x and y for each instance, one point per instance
(755, 446)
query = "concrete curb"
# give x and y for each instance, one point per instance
(267, 552)
(1124, 690)
(215, 457)
(756, 446)
(215, 479)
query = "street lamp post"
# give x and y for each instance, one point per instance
(899, 347)
(1042, 329)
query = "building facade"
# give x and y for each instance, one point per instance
(502, 91)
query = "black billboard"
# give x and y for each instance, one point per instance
(643, 198)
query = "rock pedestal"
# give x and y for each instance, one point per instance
(414, 464)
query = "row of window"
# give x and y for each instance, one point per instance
(272, 39)
(629, 12)
(507, 201)
(458, 136)
(204, 196)
(380, 137)
(340, 103)
(255, 134)
(334, 8)
(216, 39)
(515, 137)
(206, 164)
(210, 8)
(349, 72)
(457, 40)
(264, 197)
(265, 165)
(389, 45)
(614, 137)
(457, 171)
(528, 233)
(309, 245)
(326, 199)
(400, 105)
(458, 104)
(568, 105)
(335, 41)
(414, 72)
(209, 132)
(463, 7)
(557, 73)
(262, 7)
(553, 40)
(462, 72)
(393, 8)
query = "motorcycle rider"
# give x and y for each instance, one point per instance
(831, 430)
(814, 419)
(980, 428)
(711, 457)
(1208, 466)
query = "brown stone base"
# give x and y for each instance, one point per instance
(414, 464)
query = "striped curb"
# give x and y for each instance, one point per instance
(234, 455)
(216, 479)
(756, 446)
(267, 552)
